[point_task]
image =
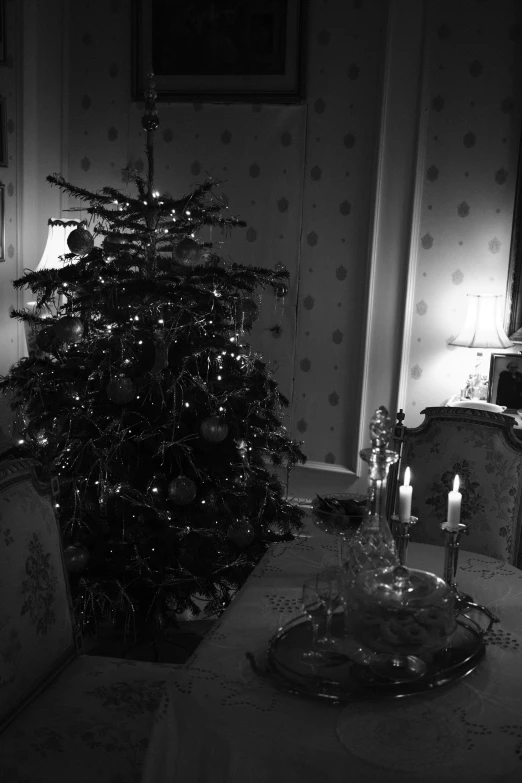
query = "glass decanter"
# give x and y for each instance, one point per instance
(373, 545)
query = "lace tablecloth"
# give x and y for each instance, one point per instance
(468, 731)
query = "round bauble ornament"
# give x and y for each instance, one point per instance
(121, 389)
(76, 557)
(157, 488)
(45, 338)
(187, 252)
(150, 121)
(241, 533)
(80, 241)
(182, 491)
(112, 243)
(69, 329)
(214, 429)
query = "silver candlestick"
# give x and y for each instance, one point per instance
(451, 551)
(464, 602)
(401, 529)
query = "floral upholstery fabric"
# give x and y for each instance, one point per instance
(35, 621)
(488, 460)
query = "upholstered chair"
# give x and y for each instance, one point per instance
(483, 450)
(65, 716)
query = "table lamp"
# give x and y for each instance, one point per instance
(482, 329)
(56, 246)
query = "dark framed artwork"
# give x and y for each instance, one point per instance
(3, 133)
(220, 51)
(2, 33)
(505, 380)
(2, 222)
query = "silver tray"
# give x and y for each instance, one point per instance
(344, 680)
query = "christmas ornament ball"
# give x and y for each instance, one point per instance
(182, 491)
(150, 121)
(69, 329)
(242, 533)
(76, 557)
(121, 389)
(80, 241)
(281, 290)
(188, 252)
(214, 429)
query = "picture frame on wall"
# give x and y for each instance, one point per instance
(505, 380)
(2, 222)
(220, 51)
(3, 132)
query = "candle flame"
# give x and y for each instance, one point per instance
(456, 483)
(407, 477)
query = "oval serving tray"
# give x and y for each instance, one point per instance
(346, 681)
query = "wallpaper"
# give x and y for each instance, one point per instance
(301, 177)
(472, 141)
(9, 352)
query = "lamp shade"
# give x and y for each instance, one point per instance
(483, 325)
(56, 246)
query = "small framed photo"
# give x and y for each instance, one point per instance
(220, 51)
(505, 380)
(2, 222)
(3, 132)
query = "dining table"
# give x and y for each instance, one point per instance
(467, 730)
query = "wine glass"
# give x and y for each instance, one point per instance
(329, 590)
(314, 608)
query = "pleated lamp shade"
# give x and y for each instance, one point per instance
(483, 324)
(56, 245)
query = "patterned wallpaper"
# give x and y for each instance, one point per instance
(472, 141)
(9, 178)
(300, 176)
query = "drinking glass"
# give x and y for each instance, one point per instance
(314, 608)
(329, 590)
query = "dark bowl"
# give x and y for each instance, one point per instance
(339, 523)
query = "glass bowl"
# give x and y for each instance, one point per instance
(339, 514)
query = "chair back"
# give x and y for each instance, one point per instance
(36, 628)
(483, 450)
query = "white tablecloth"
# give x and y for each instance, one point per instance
(468, 731)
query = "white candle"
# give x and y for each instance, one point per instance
(405, 493)
(454, 502)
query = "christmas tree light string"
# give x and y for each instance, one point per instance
(147, 401)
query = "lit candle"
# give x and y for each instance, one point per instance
(454, 501)
(405, 493)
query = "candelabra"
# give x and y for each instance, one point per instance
(401, 529)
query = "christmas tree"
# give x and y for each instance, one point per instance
(146, 401)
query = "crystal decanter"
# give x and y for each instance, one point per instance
(373, 545)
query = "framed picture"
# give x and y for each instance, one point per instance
(2, 32)
(3, 133)
(505, 380)
(2, 222)
(220, 51)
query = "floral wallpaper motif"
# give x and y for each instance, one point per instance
(471, 144)
(40, 587)
(9, 178)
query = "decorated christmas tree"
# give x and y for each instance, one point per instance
(145, 400)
